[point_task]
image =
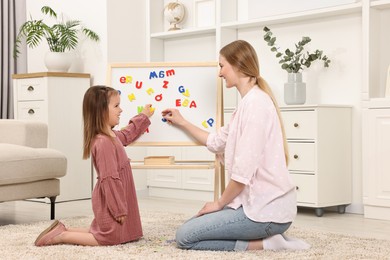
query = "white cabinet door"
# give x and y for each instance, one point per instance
(377, 154)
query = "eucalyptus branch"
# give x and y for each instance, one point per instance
(295, 61)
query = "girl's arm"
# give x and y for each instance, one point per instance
(233, 189)
(174, 117)
(136, 127)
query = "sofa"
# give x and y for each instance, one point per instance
(28, 168)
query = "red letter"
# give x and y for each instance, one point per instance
(165, 84)
(158, 97)
(138, 84)
(193, 104)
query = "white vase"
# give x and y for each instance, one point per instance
(58, 61)
(294, 89)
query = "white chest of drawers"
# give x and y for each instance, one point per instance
(319, 140)
(56, 99)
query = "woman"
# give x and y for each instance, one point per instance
(259, 202)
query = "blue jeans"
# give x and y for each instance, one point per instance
(225, 230)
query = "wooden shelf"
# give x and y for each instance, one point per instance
(50, 74)
(177, 165)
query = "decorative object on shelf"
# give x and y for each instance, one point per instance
(204, 13)
(387, 92)
(294, 62)
(294, 89)
(61, 37)
(174, 13)
(58, 61)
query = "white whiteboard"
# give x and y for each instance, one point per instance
(193, 88)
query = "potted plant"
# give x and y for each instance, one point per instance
(62, 37)
(294, 62)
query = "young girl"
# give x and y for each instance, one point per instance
(259, 202)
(114, 200)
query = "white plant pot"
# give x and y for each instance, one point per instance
(58, 61)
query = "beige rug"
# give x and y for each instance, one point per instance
(16, 242)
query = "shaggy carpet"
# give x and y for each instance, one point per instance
(159, 228)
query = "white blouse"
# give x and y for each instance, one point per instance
(252, 144)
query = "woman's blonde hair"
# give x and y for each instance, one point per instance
(95, 114)
(241, 55)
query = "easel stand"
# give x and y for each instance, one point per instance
(219, 176)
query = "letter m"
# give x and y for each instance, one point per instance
(170, 72)
(153, 74)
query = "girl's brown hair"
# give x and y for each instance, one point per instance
(95, 114)
(241, 55)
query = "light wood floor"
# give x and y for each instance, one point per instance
(354, 224)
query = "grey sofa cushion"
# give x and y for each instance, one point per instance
(19, 164)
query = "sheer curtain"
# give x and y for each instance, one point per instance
(12, 15)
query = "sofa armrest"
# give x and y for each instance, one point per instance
(23, 132)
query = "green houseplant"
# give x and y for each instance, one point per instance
(62, 36)
(294, 62)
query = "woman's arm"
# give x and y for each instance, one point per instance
(174, 117)
(233, 189)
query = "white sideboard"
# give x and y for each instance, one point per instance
(56, 99)
(319, 140)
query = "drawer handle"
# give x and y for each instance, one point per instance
(296, 125)
(296, 156)
(30, 88)
(31, 111)
(296, 187)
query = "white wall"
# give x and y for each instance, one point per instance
(126, 31)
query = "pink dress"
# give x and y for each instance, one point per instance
(114, 193)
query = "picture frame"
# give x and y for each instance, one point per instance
(204, 13)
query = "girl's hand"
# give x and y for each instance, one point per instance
(173, 116)
(121, 219)
(209, 207)
(148, 110)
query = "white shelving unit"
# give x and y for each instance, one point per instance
(349, 30)
(376, 110)
(232, 22)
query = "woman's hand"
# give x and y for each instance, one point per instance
(210, 207)
(121, 219)
(232, 190)
(173, 116)
(148, 110)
